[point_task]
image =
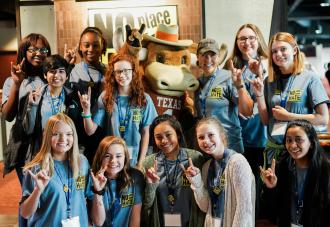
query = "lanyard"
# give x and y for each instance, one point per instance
(203, 97)
(171, 182)
(299, 195)
(91, 79)
(216, 184)
(67, 189)
(56, 103)
(123, 120)
(113, 200)
(285, 92)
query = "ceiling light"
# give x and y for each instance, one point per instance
(325, 4)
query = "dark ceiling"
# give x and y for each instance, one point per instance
(309, 21)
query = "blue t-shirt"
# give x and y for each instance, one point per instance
(221, 100)
(137, 119)
(52, 207)
(305, 91)
(118, 207)
(254, 133)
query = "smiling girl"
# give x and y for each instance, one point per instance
(55, 185)
(124, 110)
(301, 181)
(118, 188)
(225, 189)
(169, 201)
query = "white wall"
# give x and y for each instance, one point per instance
(322, 58)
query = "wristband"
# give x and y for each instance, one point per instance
(258, 96)
(86, 116)
(98, 192)
(239, 87)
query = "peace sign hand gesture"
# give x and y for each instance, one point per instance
(41, 179)
(99, 180)
(268, 175)
(85, 101)
(236, 74)
(191, 171)
(151, 174)
(16, 72)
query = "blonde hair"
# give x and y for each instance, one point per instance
(298, 61)
(44, 157)
(214, 121)
(123, 179)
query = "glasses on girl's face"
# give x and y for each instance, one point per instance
(243, 39)
(119, 72)
(34, 50)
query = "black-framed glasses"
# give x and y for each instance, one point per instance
(243, 39)
(119, 72)
(34, 50)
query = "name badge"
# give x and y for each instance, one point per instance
(279, 129)
(130, 151)
(80, 183)
(172, 220)
(71, 222)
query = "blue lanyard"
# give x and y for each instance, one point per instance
(215, 186)
(56, 103)
(202, 98)
(87, 71)
(123, 120)
(113, 200)
(67, 189)
(299, 193)
(285, 93)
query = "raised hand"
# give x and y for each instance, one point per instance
(34, 97)
(255, 66)
(191, 171)
(99, 180)
(189, 103)
(85, 101)
(41, 179)
(70, 54)
(257, 86)
(268, 175)
(151, 174)
(17, 73)
(236, 74)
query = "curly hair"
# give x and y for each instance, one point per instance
(137, 96)
(123, 178)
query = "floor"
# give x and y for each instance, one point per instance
(10, 194)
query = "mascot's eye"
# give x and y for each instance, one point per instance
(184, 60)
(160, 58)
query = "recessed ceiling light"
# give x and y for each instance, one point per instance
(325, 4)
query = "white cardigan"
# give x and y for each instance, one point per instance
(239, 208)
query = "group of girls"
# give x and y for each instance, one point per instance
(178, 187)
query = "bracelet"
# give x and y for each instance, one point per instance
(98, 192)
(86, 116)
(258, 96)
(239, 86)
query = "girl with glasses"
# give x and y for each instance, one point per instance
(300, 183)
(124, 109)
(26, 76)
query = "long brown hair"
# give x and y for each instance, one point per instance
(298, 61)
(236, 55)
(137, 96)
(123, 179)
(44, 157)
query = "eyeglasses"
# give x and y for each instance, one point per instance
(244, 38)
(34, 50)
(298, 140)
(119, 72)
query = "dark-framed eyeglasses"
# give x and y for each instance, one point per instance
(34, 50)
(243, 39)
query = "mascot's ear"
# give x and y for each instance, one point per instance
(223, 53)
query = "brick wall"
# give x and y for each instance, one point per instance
(71, 19)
